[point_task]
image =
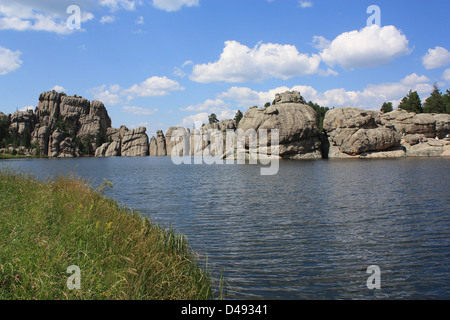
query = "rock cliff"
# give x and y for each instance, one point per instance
(354, 132)
(71, 126)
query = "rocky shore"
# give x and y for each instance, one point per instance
(71, 126)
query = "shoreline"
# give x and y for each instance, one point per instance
(121, 254)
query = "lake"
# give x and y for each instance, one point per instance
(308, 232)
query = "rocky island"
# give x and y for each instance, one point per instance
(71, 126)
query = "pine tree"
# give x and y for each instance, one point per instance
(238, 117)
(213, 118)
(434, 103)
(411, 102)
(446, 99)
(387, 107)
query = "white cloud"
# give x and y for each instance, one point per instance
(9, 61)
(139, 110)
(174, 5)
(45, 15)
(203, 109)
(107, 19)
(27, 108)
(107, 96)
(446, 75)
(179, 72)
(239, 63)
(209, 104)
(370, 47)
(246, 97)
(436, 58)
(153, 87)
(414, 79)
(320, 42)
(371, 97)
(58, 88)
(140, 20)
(305, 4)
(115, 5)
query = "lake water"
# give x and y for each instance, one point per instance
(308, 232)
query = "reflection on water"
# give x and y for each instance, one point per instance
(309, 232)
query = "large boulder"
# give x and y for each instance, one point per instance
(410, 123)
(352, 131)
(297, 125)
(135, 143)
(289, 97)
(428, 148)
(174, 136)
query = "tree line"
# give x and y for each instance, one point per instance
(435, 103)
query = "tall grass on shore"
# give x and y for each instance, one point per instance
(45, 227)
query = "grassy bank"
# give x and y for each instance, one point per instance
(7, 156)
(47, 227)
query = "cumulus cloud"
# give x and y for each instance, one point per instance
(305, 4)
(246, 97)
(209, 104)
(436, 58)
(239, 63)
(446, 75)
(107, 19)
(107, 96)
(190, 121)
(27, 108)
(139, 110)
(205, 108)
(115, 5)
(174, 5)
(9, 61)
(153, 87)
(45, 15)
(320, 42)
(369, 47)
(58, 88)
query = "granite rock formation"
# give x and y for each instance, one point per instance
(297, 124)
(352, 131)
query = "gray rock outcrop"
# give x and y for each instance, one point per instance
(352, 131)
(135, 143)
(297, 125)
(289, 97)
(177, 138)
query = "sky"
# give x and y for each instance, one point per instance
(163, 63)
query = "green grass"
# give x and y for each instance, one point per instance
(45, 227)
(6, 156)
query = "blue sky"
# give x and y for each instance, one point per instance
(162, 63)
